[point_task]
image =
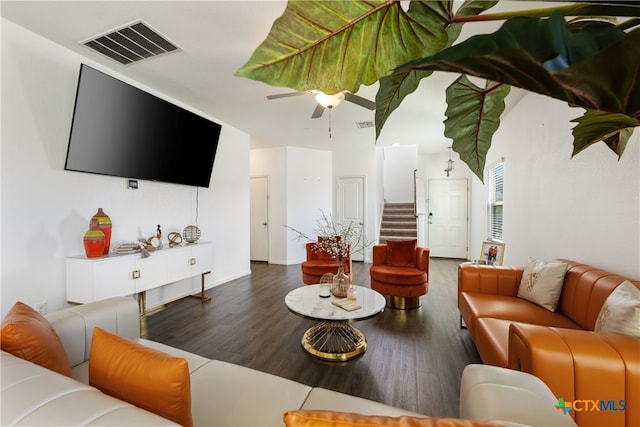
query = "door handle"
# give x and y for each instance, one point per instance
(264, 223)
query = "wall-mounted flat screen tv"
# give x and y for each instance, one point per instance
(120, 130)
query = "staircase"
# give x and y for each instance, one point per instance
(398, 222)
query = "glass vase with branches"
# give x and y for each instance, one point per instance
(337, 239)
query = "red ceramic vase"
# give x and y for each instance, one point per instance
(94, 240)
(104, 223)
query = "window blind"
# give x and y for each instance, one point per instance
(496, 202)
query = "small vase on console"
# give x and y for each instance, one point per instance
(104, 223)
(340, 283)
(94, 240)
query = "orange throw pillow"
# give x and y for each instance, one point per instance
(401, 253)
(142, 376)
(28, 335)
(318, 418)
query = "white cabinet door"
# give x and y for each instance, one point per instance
(113, 278)
(189, 261)
(92, 279)
(179, 264)
(150, 272)
(201, 258)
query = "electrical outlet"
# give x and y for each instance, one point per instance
(41, 307)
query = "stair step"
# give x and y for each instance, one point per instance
(402, 218)
(398, 222)
(398, 205)
(388, 230)
(395, 233)
(398, 218)
(399, 212)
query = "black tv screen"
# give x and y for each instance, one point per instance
(120, 130)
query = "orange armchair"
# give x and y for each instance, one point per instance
(400, 272)
(321, 262)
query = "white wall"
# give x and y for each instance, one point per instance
(309, 183)
(45, 210)
(367, 163)
(300, 182)
(399, 164)
(272, 163)
(586, 208)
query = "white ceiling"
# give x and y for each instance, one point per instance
(217, 38)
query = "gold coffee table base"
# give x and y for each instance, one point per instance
(334, 341)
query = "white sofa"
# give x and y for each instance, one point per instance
(222, 394)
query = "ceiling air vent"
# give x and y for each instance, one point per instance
(362, 125)
(131, 43)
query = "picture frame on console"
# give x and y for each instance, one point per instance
(492, 252)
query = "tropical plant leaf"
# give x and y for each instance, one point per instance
(589, 8)
(595, 126)
(609, 80)
(336, 45)
(527, 52)
(392, 91)
(473, 116)
(467, 9)
(618, 141)
(395, 88)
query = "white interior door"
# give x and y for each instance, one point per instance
(447, 218)
(350, 207)
(259, 200)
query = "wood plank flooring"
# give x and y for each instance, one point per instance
(414, 358)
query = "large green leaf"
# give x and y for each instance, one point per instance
(395, 88)
(520, 52)
(473, 116)
(337, 45)
(609, 80)
(595, 126)
(584, 8)
(596, 68)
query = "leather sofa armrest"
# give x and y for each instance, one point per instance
(579, 365)
(489, 279)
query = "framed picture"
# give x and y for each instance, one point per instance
(492, 253)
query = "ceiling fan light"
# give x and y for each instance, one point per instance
(329, 101)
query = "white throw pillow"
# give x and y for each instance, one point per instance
(542, 282)
(620, 313)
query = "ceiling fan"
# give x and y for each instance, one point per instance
(328, 101)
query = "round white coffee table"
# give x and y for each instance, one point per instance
(333, 339)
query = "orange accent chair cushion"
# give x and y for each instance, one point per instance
(321, 262)
(142, 376)
(318, 418)
(402, 253)
(28, 335)
(400, 269)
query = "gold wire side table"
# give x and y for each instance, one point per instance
(333, 338)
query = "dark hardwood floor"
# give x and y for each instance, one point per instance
(414, 358)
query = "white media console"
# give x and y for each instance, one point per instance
(93, 279)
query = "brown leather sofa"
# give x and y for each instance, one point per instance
(598, 373)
